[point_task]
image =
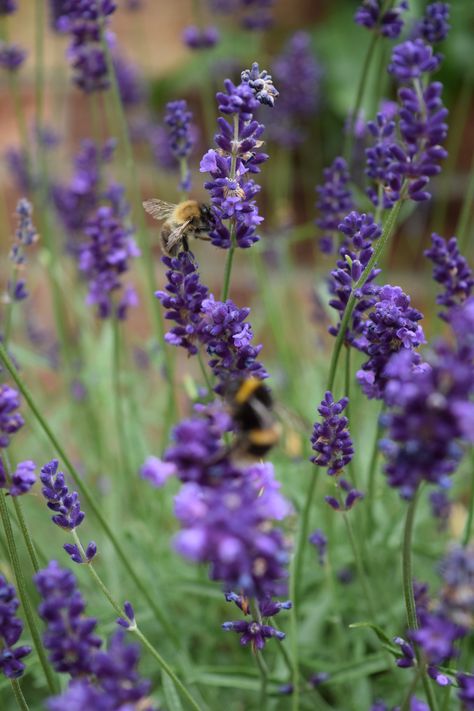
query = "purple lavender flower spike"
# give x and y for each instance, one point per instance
(389, 24)
(86, 24)
(11, 56)
(320, 541)
(430, 414)
(10, 421)
(181, 136)
(55, 490)
(11, 628)
(69, 636)
(7, 7)
(238, 155)
(334, 202)
(230, 528)
(183, 301)
(23, 478)
(17, 164)
(359, 231)
(391, 326)
(253, 632)
(298, 75)
(228, 338)
(434, 26)
(331, 439)
(201, 38)
(452, 271)
(75, 201)
(104, 259)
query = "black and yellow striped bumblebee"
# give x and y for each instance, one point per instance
(251, 407)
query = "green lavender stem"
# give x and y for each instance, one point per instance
(359, 94)
(20, 699)
(371, 478)
(388, 229)
(20, 517)
(302, 538)
(230, 253)
(360, 566)
(410, 606)
(264, 677)
(470, 516)
(23, 595)
(118, 404)
(295, 676)
(87, 495)
(134, 627)
(347, 392)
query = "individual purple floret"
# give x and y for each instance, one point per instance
(69, 635)
(466, 690)
(75, 201)
(320, 541)
(10, 421)
(434, 26)
(391, 326)
(11, 628)
(457, 594)
(55, 490)
(359, 231)
(389, 24)
(201, 38)
(452, 271)
(22, 478)
(267, 606)
(7, 7)
(230, 527)
(227, 337)
(298, 75)
(12, 56)
(104, 259)
(86, 24)
(331, 439)
(156, 471)
(238, 155)
(253, 632)
(334, 202)
(129, 616)
(429, 415)
(184, 300)
(181, 136)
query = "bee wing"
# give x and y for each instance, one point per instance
(176, 235)
(159, 209)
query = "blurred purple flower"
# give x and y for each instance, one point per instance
(10, 421)
(434, 26)
(11, 628)
(12, 56)
(389, 24)
(156, 471)
(23, 478)
(334, 202)
(129, 81)
(452, 271)
(201, 38)
(7, 7)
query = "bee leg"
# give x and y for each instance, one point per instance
(185, 244)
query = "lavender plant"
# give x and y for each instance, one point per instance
(189, 452)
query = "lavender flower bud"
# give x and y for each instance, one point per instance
(331, 439)
(66, 505)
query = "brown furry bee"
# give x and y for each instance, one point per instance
(181, 222)
(251, 407)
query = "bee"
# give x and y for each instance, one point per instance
(181, 222)
(251, 408)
